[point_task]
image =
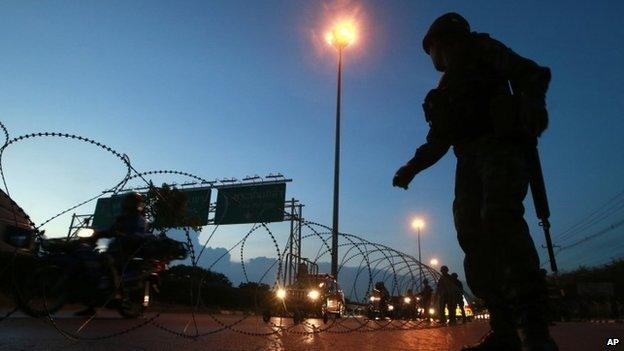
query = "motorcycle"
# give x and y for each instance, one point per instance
(378, 305)
(74, 271)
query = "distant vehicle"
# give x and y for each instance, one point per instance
(404, 307)
(312, 295)
(379, 306)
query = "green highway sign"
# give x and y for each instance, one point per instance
(197, 205)
(259, 203)
(106, 211)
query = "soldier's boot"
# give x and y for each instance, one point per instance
(537, 340)
(502, 337)
(533, 317)
(533, 329)
(493, 341)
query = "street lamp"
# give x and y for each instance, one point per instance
(339, 37)
(418, 224)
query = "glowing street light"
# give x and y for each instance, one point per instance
(341, 36)
(418, 224)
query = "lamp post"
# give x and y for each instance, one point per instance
(340, 37)
(418, 224)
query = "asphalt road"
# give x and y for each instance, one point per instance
(175, 331)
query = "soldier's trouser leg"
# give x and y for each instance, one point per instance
(505, 175)
(502, 263)
(441, 305)
(451, 307)
(479, 262)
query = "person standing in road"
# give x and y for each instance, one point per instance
(446, 293)
(490, 107)
(459, 297)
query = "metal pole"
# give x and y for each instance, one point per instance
(71, 226)
(334, 261)
(299, 234)
(290, 267)
(419, 259)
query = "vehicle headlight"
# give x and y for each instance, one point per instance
(85, 233)
(431, 311)
(280, 293)
(407, 300)
(390, 307)
(374, 298)
(314, 294)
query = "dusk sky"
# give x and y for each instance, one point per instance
(237, 88)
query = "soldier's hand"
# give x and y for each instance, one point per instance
(404, 176)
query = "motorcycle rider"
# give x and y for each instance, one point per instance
(127, 235)
(412, 306)
(425, 297)
(384, 296)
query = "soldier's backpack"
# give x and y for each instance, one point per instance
(520, 115)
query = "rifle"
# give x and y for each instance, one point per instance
(540, 201)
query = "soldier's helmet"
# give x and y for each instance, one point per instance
(454, 275)
(444, 269)
(446, 26)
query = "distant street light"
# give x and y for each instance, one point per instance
(340, 37)
(418, 224)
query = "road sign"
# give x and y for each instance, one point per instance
(107, 210)
(197, 205)
(250, 204)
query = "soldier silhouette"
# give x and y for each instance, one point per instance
(490, 107)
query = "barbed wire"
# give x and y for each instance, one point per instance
(374, 261)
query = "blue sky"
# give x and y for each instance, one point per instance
(236, 88)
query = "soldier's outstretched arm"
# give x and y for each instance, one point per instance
(426, 155)
(527, 77)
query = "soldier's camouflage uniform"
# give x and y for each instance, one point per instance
(492, 176)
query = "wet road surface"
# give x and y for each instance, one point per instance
(245, 333)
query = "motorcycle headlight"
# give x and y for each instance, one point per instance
(280, 293)
(314, 294)
(390, 308)
(431, 311)
(407, 300)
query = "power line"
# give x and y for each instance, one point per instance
(593, 236)
(589, 238)
(613, 204)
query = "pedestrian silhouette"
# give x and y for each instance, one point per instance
(459, 296)
(446, 293)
